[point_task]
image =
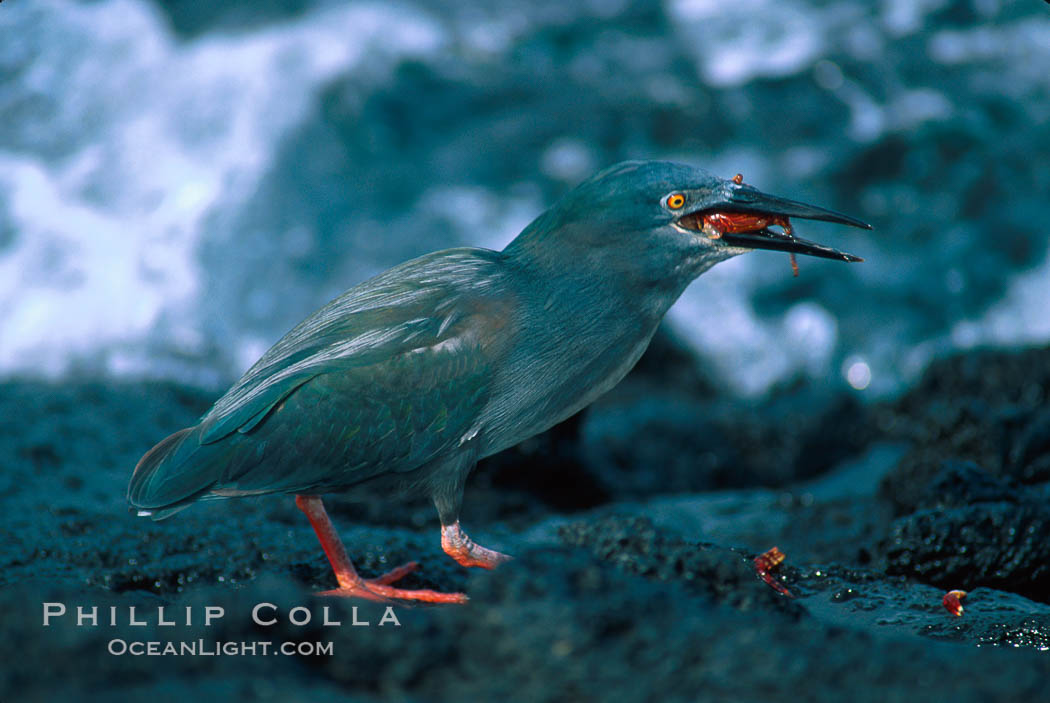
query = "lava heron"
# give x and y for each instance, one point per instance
(405, 381)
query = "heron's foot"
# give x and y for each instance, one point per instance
(351, 585)
(464, 550)
(379, 588)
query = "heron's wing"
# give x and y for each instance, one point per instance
(347, 425)
(439, 308)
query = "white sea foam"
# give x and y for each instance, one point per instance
(1020, 317)
(736, 42)
(751, 354)
(136, 148)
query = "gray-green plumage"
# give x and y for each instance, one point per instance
(406, 380)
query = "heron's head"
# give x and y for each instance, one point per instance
(666, 221)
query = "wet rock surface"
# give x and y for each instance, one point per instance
(976, 528)
(985, 407)
(633, 572)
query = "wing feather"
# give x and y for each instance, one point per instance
(412, 307)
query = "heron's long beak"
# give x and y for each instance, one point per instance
(742, 198)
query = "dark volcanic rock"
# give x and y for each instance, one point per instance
(556, 625)
(633, 544)
(1030, 453)
(985, 406)
(962, 483)
(614, 599)
(977, 531)
(647, 439)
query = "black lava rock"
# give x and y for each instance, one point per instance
(976, 531)
(985, 406)
(1030, 453)
(636, 546)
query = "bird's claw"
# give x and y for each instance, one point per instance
(379, 589)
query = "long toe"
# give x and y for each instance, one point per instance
(476, 555)
(369, 589)
(379, 589)
(422, 594)
(396, 574)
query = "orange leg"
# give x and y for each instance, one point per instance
(463, 549)
(350, 582)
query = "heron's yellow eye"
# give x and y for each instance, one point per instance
(675, 200)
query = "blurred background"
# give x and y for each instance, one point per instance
(181, 182)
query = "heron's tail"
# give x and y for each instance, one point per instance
(173, 474)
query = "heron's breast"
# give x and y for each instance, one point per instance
(555, 379)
